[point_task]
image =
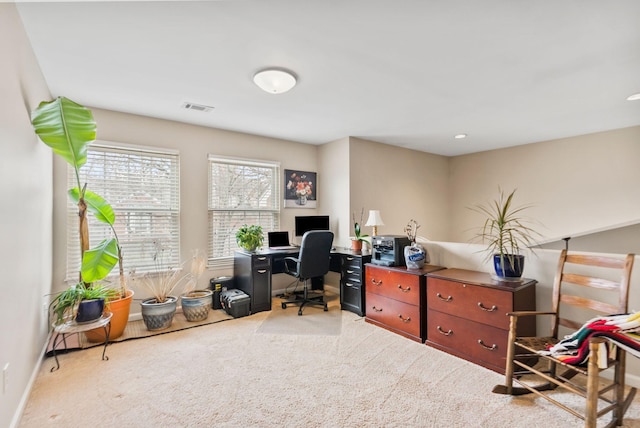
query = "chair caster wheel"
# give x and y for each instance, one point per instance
(284, 306)
(300, 312)
(325, 308)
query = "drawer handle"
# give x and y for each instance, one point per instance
(376, 309)
(350, 258)
(405, 320)
(404, 290)
(489, 348)
(484, 308)
(446, 333)
(261, 271)
(348, 284)
(349, 271)
(263, 258)
(448, 299)
(378, 283)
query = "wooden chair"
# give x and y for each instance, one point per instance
(582, 289)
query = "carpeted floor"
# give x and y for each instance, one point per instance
(228, 374)
(314, 320)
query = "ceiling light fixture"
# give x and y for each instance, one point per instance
(634, 97)
(460, 136)
(274, 81)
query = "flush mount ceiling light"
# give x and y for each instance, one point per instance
(274, 81)
(634, 97)
(460, 136)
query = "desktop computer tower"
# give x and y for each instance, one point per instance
(388, 250)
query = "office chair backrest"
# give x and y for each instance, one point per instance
(315, 252)
(589, 285)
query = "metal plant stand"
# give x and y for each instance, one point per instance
(72, 327)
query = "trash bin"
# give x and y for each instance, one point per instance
(219, 284)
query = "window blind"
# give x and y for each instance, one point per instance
(143, 187)
(241, 191)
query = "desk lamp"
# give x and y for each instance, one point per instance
(374, 220)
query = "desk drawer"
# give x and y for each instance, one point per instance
(261, 262)
(477, 303)
(396, 315)
(396, 285)
(467, 339)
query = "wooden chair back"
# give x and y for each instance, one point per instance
(590, 285)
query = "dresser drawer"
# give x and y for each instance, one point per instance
(261, 262)
(482, 304)
(467, 339)
(396, 315)
(399, 286)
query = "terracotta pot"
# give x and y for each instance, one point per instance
(120, 310)
(356, 245)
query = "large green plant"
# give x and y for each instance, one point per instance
(69, 128)
(249, 237)
(505, 231)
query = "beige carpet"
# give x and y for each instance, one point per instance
(314, 320)
(228, 375)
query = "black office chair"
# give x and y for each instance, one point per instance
(312, 262)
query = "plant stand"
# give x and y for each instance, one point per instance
(72, 327)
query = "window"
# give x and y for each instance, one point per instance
(143, 187)
(240, 192)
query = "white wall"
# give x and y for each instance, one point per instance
(25, 226)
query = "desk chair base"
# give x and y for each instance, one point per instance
(306, 299)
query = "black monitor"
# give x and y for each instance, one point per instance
(311, 222)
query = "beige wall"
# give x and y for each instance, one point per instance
(25, 191)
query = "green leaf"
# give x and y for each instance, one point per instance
(95, 204)
(98, 262)
(65, 126)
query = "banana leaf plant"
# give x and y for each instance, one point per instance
(69, 128)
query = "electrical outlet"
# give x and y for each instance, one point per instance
(5, 378)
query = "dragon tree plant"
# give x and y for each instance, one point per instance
(69, 128)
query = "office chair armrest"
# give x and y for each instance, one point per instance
(288, 260)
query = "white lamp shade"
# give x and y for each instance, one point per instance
(375, 219)
(274, 81)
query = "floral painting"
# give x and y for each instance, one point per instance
(300, 189)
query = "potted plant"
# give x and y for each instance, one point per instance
(506, 233)
(249, 237)
(158, 311)
(356, 241)
(69, 128)
(66, 305)
(196, 303)
(415, 255)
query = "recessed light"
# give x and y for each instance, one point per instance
(634, 97)
(460, 136)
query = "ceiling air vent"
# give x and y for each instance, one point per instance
(196, 107)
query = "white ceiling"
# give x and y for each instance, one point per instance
(406, 73)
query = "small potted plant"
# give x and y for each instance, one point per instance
(249, 237)
(196, 303)
(506, 233)
(414, 254)
(356, 241)
(66, 306)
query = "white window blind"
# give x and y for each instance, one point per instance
(143, 187)
(240, 192)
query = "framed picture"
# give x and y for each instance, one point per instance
(300, 189)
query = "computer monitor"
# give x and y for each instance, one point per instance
(311, 222)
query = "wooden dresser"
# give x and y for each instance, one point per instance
(395, 299)
(466, 314)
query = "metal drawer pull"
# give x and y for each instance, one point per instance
(262, 271)
(262, 258)
(348, 284)
(350, 258)
(405, 320)
(376, 309)
(378, 283)
(446, 333)
(484, 308)
(448, 299)
(490, 348)
(404, 290)
(349, 271)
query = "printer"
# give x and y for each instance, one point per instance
(388, 250)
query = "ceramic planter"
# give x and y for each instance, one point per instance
(196, 304)
(120, 309)
(89, 310)
(505, 269)
(158, 316)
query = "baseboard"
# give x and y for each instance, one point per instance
(27, 391)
